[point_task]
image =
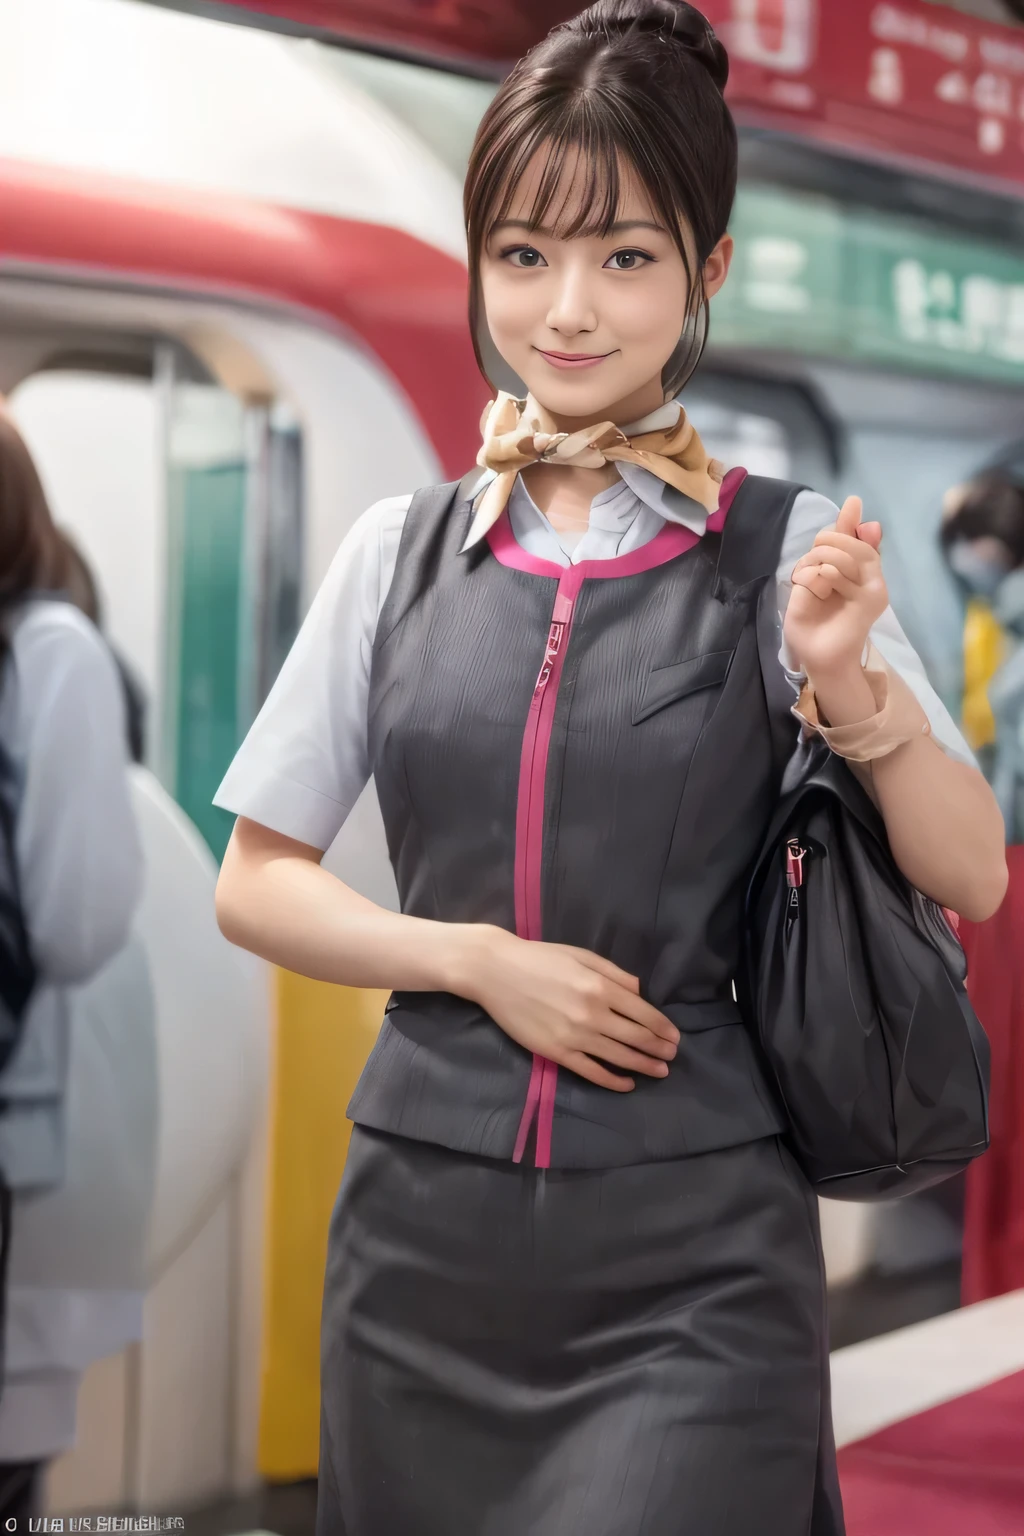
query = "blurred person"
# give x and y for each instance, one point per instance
(983, 540)
(82, 590)
(574, 1280)
(982, 537)
(77, 867)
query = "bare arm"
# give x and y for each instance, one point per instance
(944, 825)
(274, 899)
(943, 821)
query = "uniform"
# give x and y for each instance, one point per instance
(549, 1307)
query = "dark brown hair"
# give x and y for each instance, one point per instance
(991, 506)
(33, 557)
(627, 83)
(80, 583)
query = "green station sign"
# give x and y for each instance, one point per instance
(821, 277)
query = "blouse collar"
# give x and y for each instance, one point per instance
(614, 509)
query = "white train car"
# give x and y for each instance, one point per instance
(232, 298)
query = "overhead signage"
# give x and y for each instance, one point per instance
(915, 78)
(821, 277)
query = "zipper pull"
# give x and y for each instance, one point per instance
(795, 855)
(554, 645)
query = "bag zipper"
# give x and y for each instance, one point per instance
(540, 1095)
(795, 855)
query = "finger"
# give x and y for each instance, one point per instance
(603, 967)
(871, 533)
(812, 579)
(642, 1012)
(618, 1027)
(829, 582)
(831, 554)
(850, 515)
(585, 1066)
(617, 1055)
(832, 538)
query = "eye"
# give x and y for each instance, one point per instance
(523, 256)
(628, 261)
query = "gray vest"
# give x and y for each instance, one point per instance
(584, 757)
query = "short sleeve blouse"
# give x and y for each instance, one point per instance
(304, 763)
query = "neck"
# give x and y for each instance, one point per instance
(564, 492)
(630, 408)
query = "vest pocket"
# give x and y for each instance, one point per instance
(664, 685)
(696, 1018)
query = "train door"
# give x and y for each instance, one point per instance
(233, 541)
(185, 499)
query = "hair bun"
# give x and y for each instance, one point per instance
(669, 19)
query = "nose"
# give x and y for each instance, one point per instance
(572, 310)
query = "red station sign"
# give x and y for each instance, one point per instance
(915, 79)
(911, 78)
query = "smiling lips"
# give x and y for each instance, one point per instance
(573, 359)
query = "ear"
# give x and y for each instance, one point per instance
(716, 268)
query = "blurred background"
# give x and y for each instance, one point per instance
(232, 295)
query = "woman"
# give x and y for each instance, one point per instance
(983, 541)
(79, 872)
(82, 590)
(574, 1281)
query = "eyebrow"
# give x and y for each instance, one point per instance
(616, 229)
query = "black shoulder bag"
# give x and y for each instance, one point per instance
(853, 981)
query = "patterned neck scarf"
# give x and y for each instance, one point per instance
(517, 433)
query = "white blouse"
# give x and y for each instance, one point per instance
(305, 760)
(79, 863)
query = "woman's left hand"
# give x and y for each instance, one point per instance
(838, 594)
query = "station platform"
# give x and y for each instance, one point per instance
(930, 1425)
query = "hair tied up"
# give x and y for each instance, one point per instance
(672, 20)
(629, 90)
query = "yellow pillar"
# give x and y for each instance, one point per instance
(323, 1036)
(984, 652)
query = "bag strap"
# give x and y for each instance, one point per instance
(754, 532)
(751, 549)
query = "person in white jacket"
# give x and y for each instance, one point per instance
(79, 866)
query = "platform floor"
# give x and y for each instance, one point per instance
(930, 1425)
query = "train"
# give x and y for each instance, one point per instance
(232, 316)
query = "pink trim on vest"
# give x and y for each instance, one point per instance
(730, 485)
(670, 541)
(533, 767)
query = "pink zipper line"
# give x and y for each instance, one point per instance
(671, 541)
(533, 766)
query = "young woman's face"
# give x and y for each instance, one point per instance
(588, 323)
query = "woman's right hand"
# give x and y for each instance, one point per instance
(570, 1006)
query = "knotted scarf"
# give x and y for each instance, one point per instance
(517, 433)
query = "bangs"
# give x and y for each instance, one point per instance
(603, 110)
(588, 201)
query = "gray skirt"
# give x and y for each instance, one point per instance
(633, 1351)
